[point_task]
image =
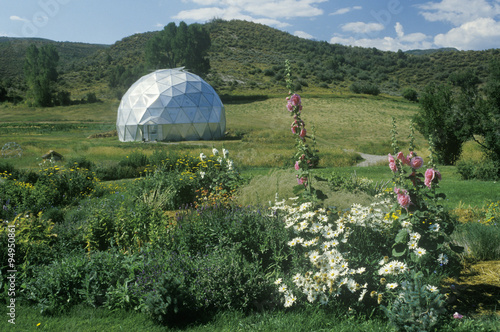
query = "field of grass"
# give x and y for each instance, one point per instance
(258, 131)
(260, 142)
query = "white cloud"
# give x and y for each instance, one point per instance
(459, 12)
(401, 42)
(399, 30)
(346, 10)
(205, 14)
(269, 12)
(482, 33)
(17, 18)
(361, 27)
(303, 34)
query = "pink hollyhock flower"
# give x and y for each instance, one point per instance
(393, 167)
(407, 160)
(456, 315)
(289, 106)
(303, 133)
(295, 100)
(429, 176)
(391, 158)
(401, 156)
(294, 129)
(416, 162)
(404, 200)
(302, 180)
(297, 167)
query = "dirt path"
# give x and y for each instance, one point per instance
(369, 159)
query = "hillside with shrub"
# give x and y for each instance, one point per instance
(249, 58)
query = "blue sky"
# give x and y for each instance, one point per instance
(386, 25)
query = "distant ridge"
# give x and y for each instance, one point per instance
(248, 58)
(431, 50)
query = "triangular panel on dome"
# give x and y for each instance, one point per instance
(173, 112)
(165, 116)
(199, 117)
(178, 78)
(214, 117)
(215, 129)
(171, 133)
(205, 111)
(194, 98)
(155, 111)
(182, 117)
(201, 128)
(177, 92)
(204, 102)
(173, 103)
(188, 132)
(190, 112)
(158, 103)
(207, 134)
(165, 80)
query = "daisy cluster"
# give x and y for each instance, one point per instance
(330, 272)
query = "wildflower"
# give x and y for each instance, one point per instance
(203, 156)
(415, 236)
(295, 100)
(282, 288)
(225, 153)
(278, 281)
(303, 133)
(362, 295)
(442, 259)
(432, 289)
(392, 285)
(393, 167)
(416, 162)
(215, 152)
(404, 200)
(456, 315)
(289, 300)
(434, 227)
(420, 252)
(297, 167)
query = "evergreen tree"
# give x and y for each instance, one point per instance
(40, 71)
(183, 45)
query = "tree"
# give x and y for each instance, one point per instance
(40, 71)
(435, 119)
(185, 45)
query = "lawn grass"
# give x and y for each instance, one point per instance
(258, 130)
(458, 192)
(85, 319)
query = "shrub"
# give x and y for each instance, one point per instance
(78, 278)
(477, 170)
(410, 94)
(417, 307)
(366, 88)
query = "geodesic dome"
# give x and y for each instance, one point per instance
(170, 105)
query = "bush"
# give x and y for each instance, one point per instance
(410, 94)
(366, 88)
(78, 278)
(477, 170)
(416, 308)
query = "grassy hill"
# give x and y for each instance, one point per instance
(248, 58)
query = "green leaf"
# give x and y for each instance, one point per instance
(397, 253)
(402, 236)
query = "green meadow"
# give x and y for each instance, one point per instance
(85, 268)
